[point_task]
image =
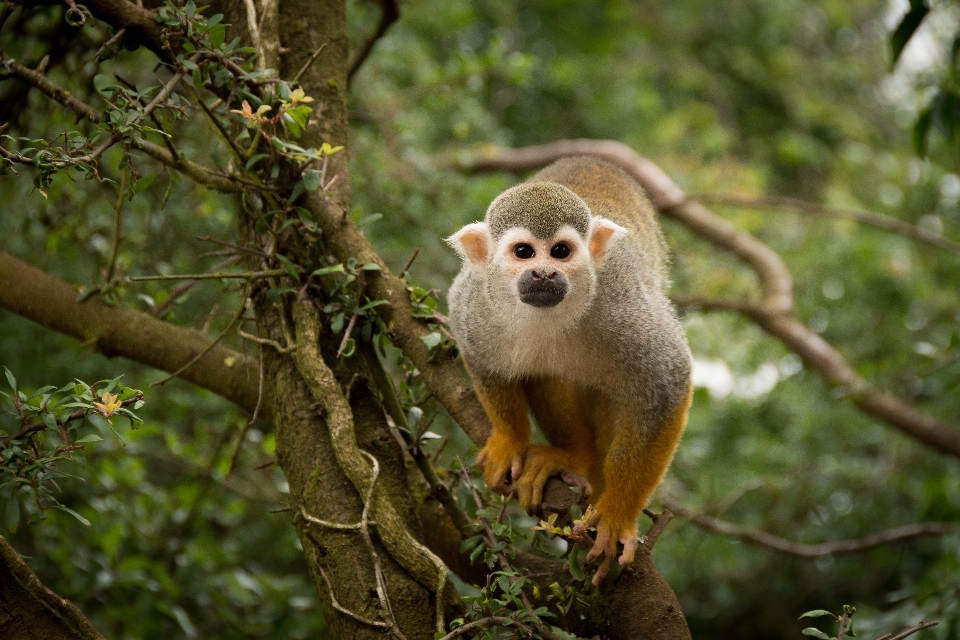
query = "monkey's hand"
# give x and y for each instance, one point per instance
(502, 462)
(541, 463)
(614, 524)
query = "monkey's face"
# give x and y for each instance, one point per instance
(545, 272)
(532, 278)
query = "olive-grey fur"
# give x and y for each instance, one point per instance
(540, 207)
(627, 347)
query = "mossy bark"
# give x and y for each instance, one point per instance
(306, 452)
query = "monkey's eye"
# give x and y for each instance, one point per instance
(523, 251)
(559, 251)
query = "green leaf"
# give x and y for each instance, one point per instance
(11, 518)
(337, 268)
(143, 183)
(10, 379)
(41, 391)
(336, 323)
(102, 83)
(289, 267)
(73, 513)
(477, 553)
(300, 114)
(432, 340)
(311, 180)
(470, 543)
(816, 613)
(255, 159)
(90, 438)
(370, 219)
(907, 27)
(576, 567)
(217, 35)
(816, 633)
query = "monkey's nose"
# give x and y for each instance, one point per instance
(544, 275)
(542, 287)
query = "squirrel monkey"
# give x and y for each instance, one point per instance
(560, 312)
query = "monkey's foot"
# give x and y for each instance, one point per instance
(502, 462)
(613, 526)
(541, 463)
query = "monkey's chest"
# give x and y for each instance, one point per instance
(531, 352)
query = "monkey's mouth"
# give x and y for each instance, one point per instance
(542, 288)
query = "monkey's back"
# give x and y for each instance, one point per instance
(612, 193)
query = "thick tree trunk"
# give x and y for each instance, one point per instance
(30, 611)
(340, 561)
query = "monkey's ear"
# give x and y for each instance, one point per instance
(603, 233)
(473, 243)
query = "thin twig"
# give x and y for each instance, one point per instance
(913, 630)
(181, 289)
(253, 418)
(117, 210)
(267, 341)
(336, 605)
(489, 621)
(390, 12)
(331, 525)
(109, 43)
(406, 267)
(310, 61)
(232, 245)
(879, 221)
(777, 543)
(233, 321)
(396, 415)
(247, 275)
(346, 334)
(254, 29)
(660, 522)
(847, 614)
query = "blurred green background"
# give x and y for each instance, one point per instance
(746, 97)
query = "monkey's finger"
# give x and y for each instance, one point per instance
(482, 458)
(524, 493)
(604, 567)
(536, 496)
(573, 479)
(603, 536)
(516, 468)
(629, 548)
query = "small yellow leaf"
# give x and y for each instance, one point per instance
(262, 109)
(246, 111)
(299, 95)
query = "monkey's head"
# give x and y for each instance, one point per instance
(538, 248)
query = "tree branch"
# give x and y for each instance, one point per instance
(853, 545)
(774, 311)
(31, 609)
(121, 331)
(196, 171)
(440, 371)
(12, 68)
(422, 564)
(887, 223)
(389, 13)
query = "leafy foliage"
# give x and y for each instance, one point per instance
(49, 426)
